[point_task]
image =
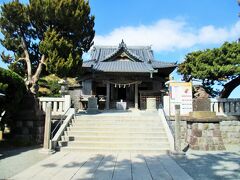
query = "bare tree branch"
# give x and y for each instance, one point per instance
(21, 59)
(27, 59)
(35, 77)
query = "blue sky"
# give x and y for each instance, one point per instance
(173, 28)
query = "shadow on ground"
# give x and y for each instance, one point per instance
(108, 167)
(200, 166)
(13, 151)
(212, 165)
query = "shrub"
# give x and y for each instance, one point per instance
(13, 86)
(49, 86)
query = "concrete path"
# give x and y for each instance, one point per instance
(61, 166)
(18, 159)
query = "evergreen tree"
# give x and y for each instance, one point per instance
(214, 66)
(54, 33)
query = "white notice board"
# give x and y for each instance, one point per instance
(181, 93)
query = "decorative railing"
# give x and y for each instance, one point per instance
(226, 106)
(59, 104)
(51, 138)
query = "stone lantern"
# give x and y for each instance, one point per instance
(64, 87)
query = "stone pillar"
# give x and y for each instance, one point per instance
(92, 105)
(47, 144)
(166, 105)
(67, 102)
(177, 129)
(136, 96)
(151, 104)
(108, 96)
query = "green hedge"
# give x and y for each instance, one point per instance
(13, 86)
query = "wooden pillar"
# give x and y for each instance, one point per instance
(136, 96)
(108, 95)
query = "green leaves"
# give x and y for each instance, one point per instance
(62, 58)
(59, 29)
(220, 64)
(13, 87)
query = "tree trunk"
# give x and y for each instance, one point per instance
(35, 77)
(229, 87)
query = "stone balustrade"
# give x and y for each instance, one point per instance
(226, 106)
(59, 104)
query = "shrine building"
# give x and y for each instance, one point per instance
(124, 74)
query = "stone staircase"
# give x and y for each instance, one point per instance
(116, 132)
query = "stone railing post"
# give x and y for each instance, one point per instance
(177, 129)
(47, 144)
(67, 102)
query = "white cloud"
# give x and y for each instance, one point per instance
(168, 35)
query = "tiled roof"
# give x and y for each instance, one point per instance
(161, 64)
(123, 66)
(103, 58)
(88, 64)
(101, 53)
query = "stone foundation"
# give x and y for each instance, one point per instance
(230, 131)
(29, 121)
(209, 135)
(204, 136)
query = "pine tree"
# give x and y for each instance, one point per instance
(50, 33)
(214, 66)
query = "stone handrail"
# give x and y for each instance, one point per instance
(168, 129)
(57, 136)
(226, 106)
(59, 104)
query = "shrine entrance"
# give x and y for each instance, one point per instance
(122, 94)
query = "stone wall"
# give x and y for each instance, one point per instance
(205, 135)
(230, 131)
(29, 121)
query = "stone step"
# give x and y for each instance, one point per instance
(114, 139)
(127, 123)
(125, 119)
(115, 150)
(116, 129)
(122, 117)
(113, 125)
(111, 145)
(115, 134)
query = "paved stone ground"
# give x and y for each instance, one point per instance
(202, 165)
(17, 160)
(199, 165)
(61, 166)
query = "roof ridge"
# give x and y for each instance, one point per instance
(115, 47)
(165, 62)
(122, 46)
